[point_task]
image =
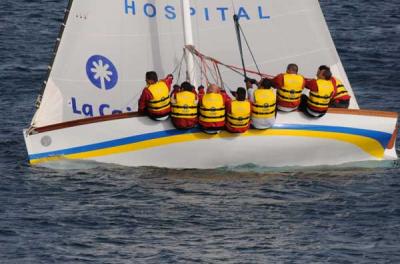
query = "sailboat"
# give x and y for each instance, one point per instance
(86, 110)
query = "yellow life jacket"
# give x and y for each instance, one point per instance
(340, 90)
(322, 98)
(161, 99)
(264, 105)
(185, 106)
(292, 88)
(212, 108)
(240, 114)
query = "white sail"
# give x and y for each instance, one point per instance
(107, 46)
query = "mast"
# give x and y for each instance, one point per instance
(187, 27)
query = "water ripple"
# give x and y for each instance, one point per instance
(94, 213)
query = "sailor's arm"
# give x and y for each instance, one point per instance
(168, 81)
(173, 98)
(304, 82)
(312, 85)
(250, 94)
(226, 97)
(146, 96)
(228, 107)
(334, 82)
(278, 81)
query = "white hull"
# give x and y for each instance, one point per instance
(339, 137)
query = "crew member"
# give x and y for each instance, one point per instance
(155, 99)
(184, 107)
(250, 83)
(238, 113)
(342, 97)
(175, 89)
(200, 90)
(212, 110)
(289, 86)
(322, 90)
(263, 102)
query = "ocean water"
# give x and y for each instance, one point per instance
(110, 214)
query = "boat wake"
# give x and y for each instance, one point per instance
(347, 168)
(66, 164)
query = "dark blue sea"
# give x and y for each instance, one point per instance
(110, 214)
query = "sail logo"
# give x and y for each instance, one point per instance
(101, 72)
(217, 13)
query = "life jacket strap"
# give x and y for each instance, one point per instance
(285, 97)
(212, 117)
(239, 118)
(158, 101)
(212, 110)
(320, 96)
(266, 113)
(158, 108)
(288, 91)
(262, 106)
(183, 107)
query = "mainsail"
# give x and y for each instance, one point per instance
(107, 46)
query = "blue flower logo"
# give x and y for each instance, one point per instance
(101, 72)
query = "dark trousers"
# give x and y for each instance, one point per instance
(341, 104)
(303, 107)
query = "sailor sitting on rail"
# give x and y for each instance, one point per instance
(155, 99)
(175, 89)
(263, 102)
(342, 97)
(212, 110)
(238, 113)
(289, 86)
(322, 90)
(200, 90)
(250, 83)
(184, 107)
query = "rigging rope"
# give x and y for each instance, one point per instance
(203, 65)
(237, 28)
(200, 62)
(219, 74)
(179, 65)
(231, 67)
(233, 6)
(248, 46)
(210, 70)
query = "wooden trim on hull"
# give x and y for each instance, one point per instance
(97, 119)
(84, 121)
(363, 112)
(393, 139)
